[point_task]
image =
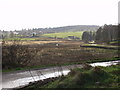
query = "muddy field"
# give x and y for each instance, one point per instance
(34, 53)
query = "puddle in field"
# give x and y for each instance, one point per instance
(104, 64)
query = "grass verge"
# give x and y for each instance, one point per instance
(91, 77)
(53, 65)
(100, 46)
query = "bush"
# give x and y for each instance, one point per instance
(81, 78)
(72, 72)
(16, 55)
(87, 66)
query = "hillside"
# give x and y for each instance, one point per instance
(69, 28)
(39, 31)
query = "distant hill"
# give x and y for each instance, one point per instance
(68, 28)
(40, 31)
(61, 29)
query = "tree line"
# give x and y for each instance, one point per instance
(104, 34)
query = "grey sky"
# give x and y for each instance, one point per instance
(119, 12)
(18, 14)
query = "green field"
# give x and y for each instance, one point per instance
(64, 34)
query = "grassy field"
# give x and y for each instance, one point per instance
(114, 43)
(86, 77)
(100, 46)
(64, 34)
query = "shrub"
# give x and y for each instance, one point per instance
(81, 78)
(87, 66)
(16, 55)
(72, 72)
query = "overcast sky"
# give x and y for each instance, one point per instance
(18, 14)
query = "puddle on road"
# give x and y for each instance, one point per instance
(27, 80)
